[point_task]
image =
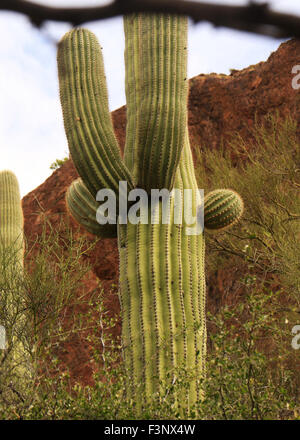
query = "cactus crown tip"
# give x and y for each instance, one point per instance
(7, 172)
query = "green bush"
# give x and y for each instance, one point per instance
(253, 372)
(265, 172)
(58, 163)
(252, 368)
(40, 314)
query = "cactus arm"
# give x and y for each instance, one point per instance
(222, 209)
(84, 99)
(83, 208)
(156, 93)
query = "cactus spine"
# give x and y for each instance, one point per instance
(162, 284)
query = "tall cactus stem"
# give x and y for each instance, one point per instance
(162, 282)
(162, 292)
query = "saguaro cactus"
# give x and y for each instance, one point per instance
(11, 265)
(162, 284)
(11, 217)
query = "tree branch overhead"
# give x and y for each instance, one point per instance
(255, 18)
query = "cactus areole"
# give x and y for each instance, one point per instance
(162, 283)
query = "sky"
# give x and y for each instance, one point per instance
(31, 125)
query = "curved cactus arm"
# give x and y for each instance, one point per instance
(156, 94)
(83, 208)
(11, 217)
(222, 208)
(84, 99)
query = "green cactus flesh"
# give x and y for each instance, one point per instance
(222, 208)
(162, 283)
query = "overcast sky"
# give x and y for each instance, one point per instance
(31, 128)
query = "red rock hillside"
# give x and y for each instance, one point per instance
(219, 105)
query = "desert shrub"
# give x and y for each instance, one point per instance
(37, 310)
(58, 163)
(265, 171)
(253, 371)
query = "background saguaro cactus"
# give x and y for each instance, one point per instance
(11, 270)
(11, 216)
(162, 283)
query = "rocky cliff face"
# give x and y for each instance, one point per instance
(219, 106)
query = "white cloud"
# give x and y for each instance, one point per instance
(31, 131)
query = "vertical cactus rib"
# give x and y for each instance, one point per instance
(83, 207)
(147, 308)
(158, 304)
(132, 288)
(125, 303)
(177, 281)
(192, 282)
(166, 291)
(156, 93)
(87, 120)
